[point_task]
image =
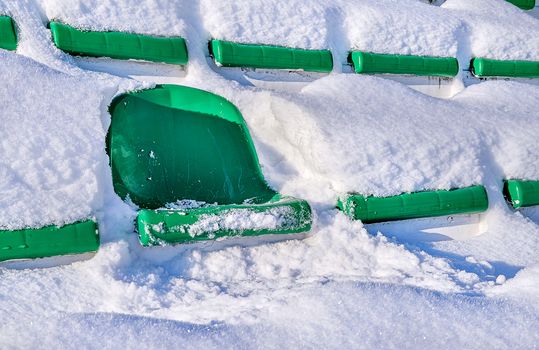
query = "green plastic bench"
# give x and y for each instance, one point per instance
(376, 63)
(77, 238)
(229, 54)
(119, 45)
(176, 143)
(483, 67)
(371, 209)
(8, 34)
(523, 4)
(522, 193)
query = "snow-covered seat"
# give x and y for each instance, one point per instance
(230, 54)
(376, 63)
(522, 193)
(185, 156)
(371, 209)
(483, 67)
(76, 238)
(119, 45)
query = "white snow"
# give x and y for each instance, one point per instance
(243, 219)
(341, 287)
(496, 29)
(52, 145)
(164, 18)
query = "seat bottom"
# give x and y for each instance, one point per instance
(280, 215)
(77, 238)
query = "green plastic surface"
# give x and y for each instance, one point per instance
(523, 4)
(229, 54)
(175, 143)
(119, 45)
(8, 35)
(158, 227)
(48, 241)
(483, 67)
(522, 193)
(415, 205)
(375, 63)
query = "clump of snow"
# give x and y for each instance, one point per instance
(524, 287)
(185, 204)
(239, 220)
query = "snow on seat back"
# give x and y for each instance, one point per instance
(165, 18)
(292, 24)
(381, 27)
(496, 30)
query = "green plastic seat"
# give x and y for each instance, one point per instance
(77, 238)
(229, 54)
(175, 143)
(376, 63)
(8, 34)
(483, 67)
(424, 204)
(523, 4)
(119, 45)
(522, 193)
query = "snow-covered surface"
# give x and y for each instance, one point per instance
(340, 287)
(144, 17)
(496, 29)
(51, 149)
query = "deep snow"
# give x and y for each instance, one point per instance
(340, 287)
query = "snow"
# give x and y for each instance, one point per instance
(244, 219)
(496, 29)
(167, 17)
(344, 286)
(51, 146)
(383, 27)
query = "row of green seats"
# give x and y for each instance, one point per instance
(373, 63)
(173, 50)
(213, 197)
(468, 200)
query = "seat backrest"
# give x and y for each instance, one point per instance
(175, 143)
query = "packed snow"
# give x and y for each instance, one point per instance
(345, 285)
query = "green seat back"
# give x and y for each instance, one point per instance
(175, 143)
